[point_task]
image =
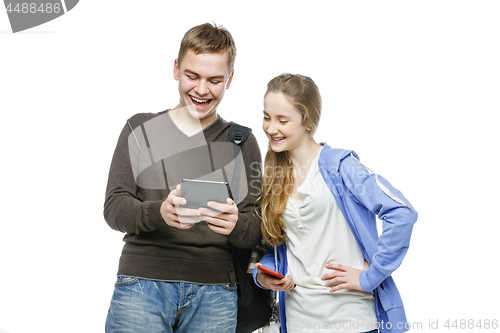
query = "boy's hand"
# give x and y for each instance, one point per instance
(175, 216)
(273, 283)
(343, 277)
(221, 218)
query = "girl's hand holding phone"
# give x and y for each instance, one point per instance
(272, 282)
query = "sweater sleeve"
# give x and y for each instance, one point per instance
(392, 208)
(247, 233)
(123, 210)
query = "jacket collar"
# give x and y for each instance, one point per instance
(330, 158)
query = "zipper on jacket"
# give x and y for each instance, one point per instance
(389, 193)
(382, 187)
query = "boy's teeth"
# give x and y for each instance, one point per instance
(199, 100)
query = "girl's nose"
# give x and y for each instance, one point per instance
(271, 128)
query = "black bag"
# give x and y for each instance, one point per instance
(254, 309)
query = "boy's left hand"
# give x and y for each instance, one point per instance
(221, 218)
(343, 277)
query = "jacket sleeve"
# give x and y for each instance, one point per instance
(266, 261)
(123, 210)
(392, 208)
(247, 233)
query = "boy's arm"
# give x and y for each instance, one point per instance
(123, 211)
(247, 233)
(392, 208)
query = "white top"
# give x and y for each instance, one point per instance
(318, 234)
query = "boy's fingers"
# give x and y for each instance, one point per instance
(188, 219)
(225, 208)
(187, 211)
(178, 201)
(171, 198)
(177, 191)
(218, 229)
(209, 212)
(221, 220)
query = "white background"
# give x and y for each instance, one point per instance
(411, 86)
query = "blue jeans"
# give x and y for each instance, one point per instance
(149, 306)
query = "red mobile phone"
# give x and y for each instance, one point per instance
(269, 271)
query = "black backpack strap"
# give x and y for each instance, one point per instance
(238, 133)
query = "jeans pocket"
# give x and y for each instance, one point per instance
(230, 287)
(125, 281)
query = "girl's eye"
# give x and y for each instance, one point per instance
(283, 121)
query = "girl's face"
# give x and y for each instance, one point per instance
(283, 123)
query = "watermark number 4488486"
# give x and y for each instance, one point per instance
(26, 14)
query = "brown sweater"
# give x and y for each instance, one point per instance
(147, 164)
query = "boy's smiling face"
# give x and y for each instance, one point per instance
(203, 79)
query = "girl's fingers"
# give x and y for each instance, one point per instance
(337, 280)
(331, 275)
(337, 267)
(337, 288)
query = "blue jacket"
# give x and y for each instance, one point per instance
(362, 196)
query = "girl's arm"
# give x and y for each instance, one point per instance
(265, 281)
(391, 207)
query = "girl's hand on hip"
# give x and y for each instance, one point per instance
(343, 277)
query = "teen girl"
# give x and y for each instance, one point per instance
(319, 208)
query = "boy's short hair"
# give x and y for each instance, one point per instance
(208, 38)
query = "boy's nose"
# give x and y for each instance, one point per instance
(201, 88)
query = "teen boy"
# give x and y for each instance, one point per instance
(176, 273)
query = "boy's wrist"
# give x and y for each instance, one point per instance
(153, 213)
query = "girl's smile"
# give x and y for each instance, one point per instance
(283, 124)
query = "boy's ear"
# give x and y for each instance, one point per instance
(228, 84)
(176, 70)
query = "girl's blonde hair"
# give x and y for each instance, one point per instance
(277, 182)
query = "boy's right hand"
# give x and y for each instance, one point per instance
(273, 283)
(175, 216)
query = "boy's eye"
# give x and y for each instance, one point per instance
(215, 82)
(192, 78)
